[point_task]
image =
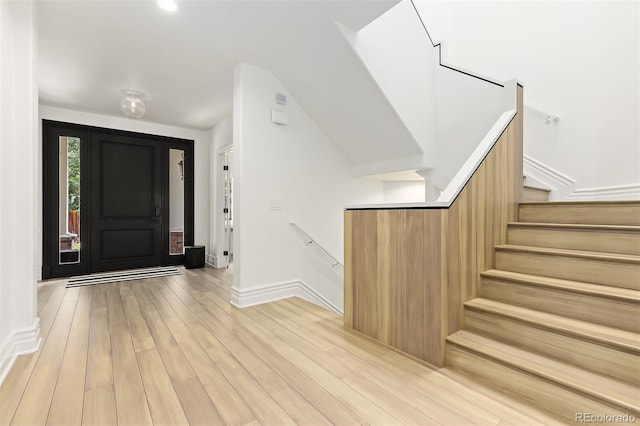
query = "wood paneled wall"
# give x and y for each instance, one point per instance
(408, 272)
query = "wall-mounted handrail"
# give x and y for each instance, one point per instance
(548, 117)
(310, 240)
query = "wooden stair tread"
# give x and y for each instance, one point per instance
(595, 255)
(537, 188)
(577, 379)
(576, 226)
(592, 212)
(596, 290)
(601, 334)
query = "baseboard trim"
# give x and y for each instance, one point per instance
(540, 174)
(243, 298)
(620, 192)
(557, 177)
(310, 295)
(563, 187)
(20, 342)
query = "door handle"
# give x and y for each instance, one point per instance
(158, 211)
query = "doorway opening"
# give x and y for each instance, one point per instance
(224, 256)
(114, 200)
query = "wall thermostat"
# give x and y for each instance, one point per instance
(281, 99)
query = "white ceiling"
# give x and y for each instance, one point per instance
(91, 51)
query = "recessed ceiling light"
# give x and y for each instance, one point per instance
(168, 5)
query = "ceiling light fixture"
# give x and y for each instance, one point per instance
(131, 105)
(168, 5)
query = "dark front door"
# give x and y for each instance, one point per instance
(126, 197)
(114, 199)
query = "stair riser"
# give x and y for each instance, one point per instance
(585, 354)
(533, 389)
(609, 312)
(596, 271)
(533, 194)
(583, 214)
(587, 240)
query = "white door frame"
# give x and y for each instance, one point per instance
(223, 240)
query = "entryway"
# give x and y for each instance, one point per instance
(113, 199)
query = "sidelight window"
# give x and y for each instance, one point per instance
(69, 200)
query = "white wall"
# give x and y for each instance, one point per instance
(298, 166)
(404, 192)
(466, 108)
(18, 189)
(397, 52)
(578, 60)
(201, 158)
(333, 86)
(447, 112)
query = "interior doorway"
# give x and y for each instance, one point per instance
(113, 199)
(224, 256)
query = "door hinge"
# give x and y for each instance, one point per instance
(225, 253)
(225, 210)
(225, 167)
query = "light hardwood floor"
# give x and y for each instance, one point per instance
(172, 350)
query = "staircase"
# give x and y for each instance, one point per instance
(557, 323)
(534, 193)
